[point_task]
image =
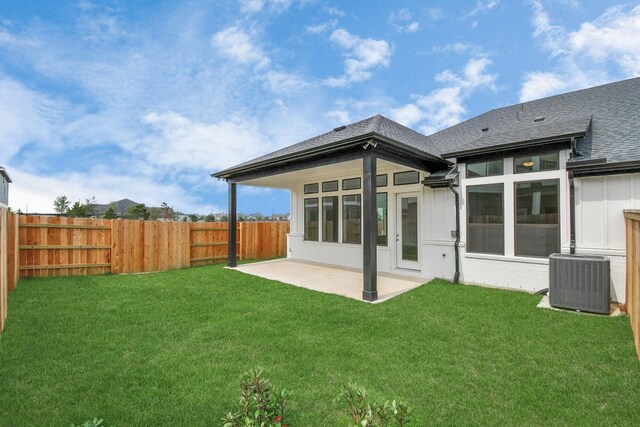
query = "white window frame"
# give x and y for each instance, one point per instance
(509, 178)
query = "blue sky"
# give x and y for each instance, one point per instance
(144, 99)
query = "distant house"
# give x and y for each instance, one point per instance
(4, 187)
(485, 201)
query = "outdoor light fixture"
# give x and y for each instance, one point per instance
(527, 164)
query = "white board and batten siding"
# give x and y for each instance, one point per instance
(600, 227)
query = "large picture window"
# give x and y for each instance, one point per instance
(351, 219)
(537, 218)
(485, 220)
(311, 219)
(330, 219)
(381, 211)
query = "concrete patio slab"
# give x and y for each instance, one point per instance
(328, 278)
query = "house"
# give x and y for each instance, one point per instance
(485, 201)
(5, 180)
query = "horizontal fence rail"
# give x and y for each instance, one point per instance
(58, 246)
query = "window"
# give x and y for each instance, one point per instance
(351, 184)
(329, 186)
(311, 219)
(537, 218)
(489, 168)
(351, 218)
(381, 211)
(485, 225)
(330, 218)
(536, 163)
(310, 188)
(381, 180)
(403, 178)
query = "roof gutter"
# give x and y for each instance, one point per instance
(514, 145)
(601, 167)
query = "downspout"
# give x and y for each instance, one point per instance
(572, 204)
(456, 244)
(572, 215)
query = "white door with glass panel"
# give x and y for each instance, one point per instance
(407, 231)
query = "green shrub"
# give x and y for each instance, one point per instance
(362, 413)
(261, 403)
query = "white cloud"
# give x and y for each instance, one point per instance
(403, 21)
(539, 84)
(614, 36)
(362, 55)
(340, 117)
(180, 142)
(444, 107)
(26, 117)
(256, 6)
(161, 108)
(281, 82)
(323, 27)
(461, 48)
(599, 51)
(30, 192)
(334, 11)
(236, 44)
(433, 13)
(484, 7)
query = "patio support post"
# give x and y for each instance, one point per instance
(369, 225)
(232, 226)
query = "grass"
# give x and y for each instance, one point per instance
(168, 349)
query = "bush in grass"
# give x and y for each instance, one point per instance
(90, 423)
(362, 413)
(261, 403)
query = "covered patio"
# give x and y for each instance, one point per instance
(359, 150)
(329, 278)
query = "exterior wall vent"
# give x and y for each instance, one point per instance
(579, 282)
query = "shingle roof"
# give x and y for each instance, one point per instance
(527, 132)
(608, 116)
(614, 110)
(376, 125)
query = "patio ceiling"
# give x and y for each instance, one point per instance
(289, 180)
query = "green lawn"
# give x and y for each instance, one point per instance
(168, 348)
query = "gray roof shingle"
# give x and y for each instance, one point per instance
(609, 115)
(614, 110)
(378, 125)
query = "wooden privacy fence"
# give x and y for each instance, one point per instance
(58, 246)
(632, 300)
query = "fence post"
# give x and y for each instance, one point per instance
(13, 252)
(632, 294)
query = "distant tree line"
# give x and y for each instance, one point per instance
(88, 209)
